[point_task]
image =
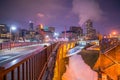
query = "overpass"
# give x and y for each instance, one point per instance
(37, 65)
(49, 63)
(106, 63)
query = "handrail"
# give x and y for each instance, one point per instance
(109, 49)
(49, 66)
(105, 46)
(27, 67)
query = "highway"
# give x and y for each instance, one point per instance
(7, 55)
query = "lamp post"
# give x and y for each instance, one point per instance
(47, 38)
(11, 28)
(56, 35)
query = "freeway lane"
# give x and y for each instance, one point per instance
(8, 55)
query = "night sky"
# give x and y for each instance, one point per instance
(60, 13)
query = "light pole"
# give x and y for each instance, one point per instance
(56, 35)
(11, 28)
(47, 38)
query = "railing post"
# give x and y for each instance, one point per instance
(1, 76)
(1, 73)
(0, 46)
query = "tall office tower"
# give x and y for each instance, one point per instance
(89, 27)
(31, 26)
(90, 31)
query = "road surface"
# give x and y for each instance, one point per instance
(7, 55)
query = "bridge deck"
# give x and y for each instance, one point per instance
(6, 55)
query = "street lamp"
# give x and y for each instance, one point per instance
(11, 28)
(47, 38)
(56, 35)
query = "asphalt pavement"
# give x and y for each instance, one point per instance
(7, 55)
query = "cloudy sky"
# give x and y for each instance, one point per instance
(60, 13)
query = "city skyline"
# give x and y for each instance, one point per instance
(57, 13)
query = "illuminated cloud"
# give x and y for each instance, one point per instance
(40, 15)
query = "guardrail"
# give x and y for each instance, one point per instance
(9, 45)
(50, 64)
(106, 45)
(28, 67)
(109, 47)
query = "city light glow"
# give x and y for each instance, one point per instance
(13, 27)
(47, 36)
(56, 34)
(114, 33)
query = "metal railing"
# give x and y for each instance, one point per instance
(28, 67)
(50, 64)
(105, 47)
